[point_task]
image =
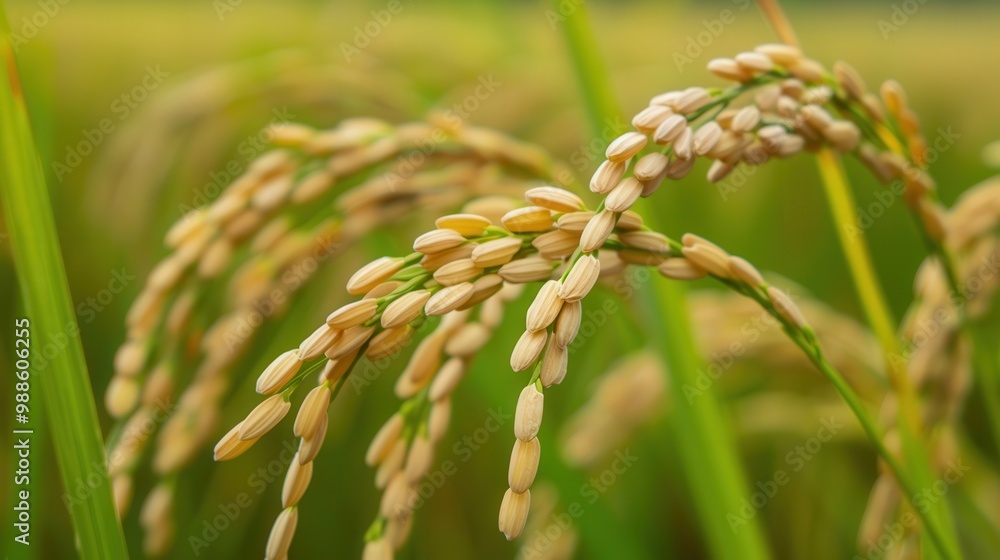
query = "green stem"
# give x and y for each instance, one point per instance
(590, 72)
(943, 538)
(707, 448)
(880, 319)
(855, 249)
(65, 389)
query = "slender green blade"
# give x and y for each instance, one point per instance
(64, 384)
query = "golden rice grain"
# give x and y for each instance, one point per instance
(282, 532)
(353, 314)
(780, 53)
(668, 99)
(384, 440)
(388, 342)
(545, 307)
(629, 221)
(404, 309)
(623, 196)
(414, 377)
(894, 97)
(574, 222)
(754, 62)
(318, 342)
(447, 379)
(684, 144)
(554, 364)
(312, 411)
(692, 99)
(728, 69)
(649, 166)
(349, 341)
(130, 358)
(528, 219)
(296, 482)
(264, 417)
(568, 323)
(496, 252)
(556, 244)
(309, 447)
(373, 274)
(121, 396)
(531, 269)
(514, 513)
(786, 307)
(437, 424)
(748, 273)
(467, 340)
(528, 414)
(396, 497)
(719, 170)
(492, 312)
(121, 490)
(580, 280)
(418, 462)
(706, 138)
(483, 288)
(746, 119)
(397, 531)
(523, 464)
(625, 146)
(646, 240)
(816, 117)
(190, 225)
(158, 505)
(437, 260)
(313, 186)
(681, 269)
(650, 118)
(729, 148)
(933, 220)
(273, 192)
(597, 231)
(448, 299)
(670, 129)
(608, 175)
(166, 274)
(457, 272)
(333, 370)
(843, 135)
(391, 465)
(159, 386)
(807, 70)
(468, 225)
(231, 446)
(438, 240)
(378, 549)
(554, 198)
(527, 350)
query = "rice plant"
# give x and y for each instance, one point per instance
(514, 227)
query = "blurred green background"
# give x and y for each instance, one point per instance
(255, 58)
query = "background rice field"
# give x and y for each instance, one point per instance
(183, 91)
